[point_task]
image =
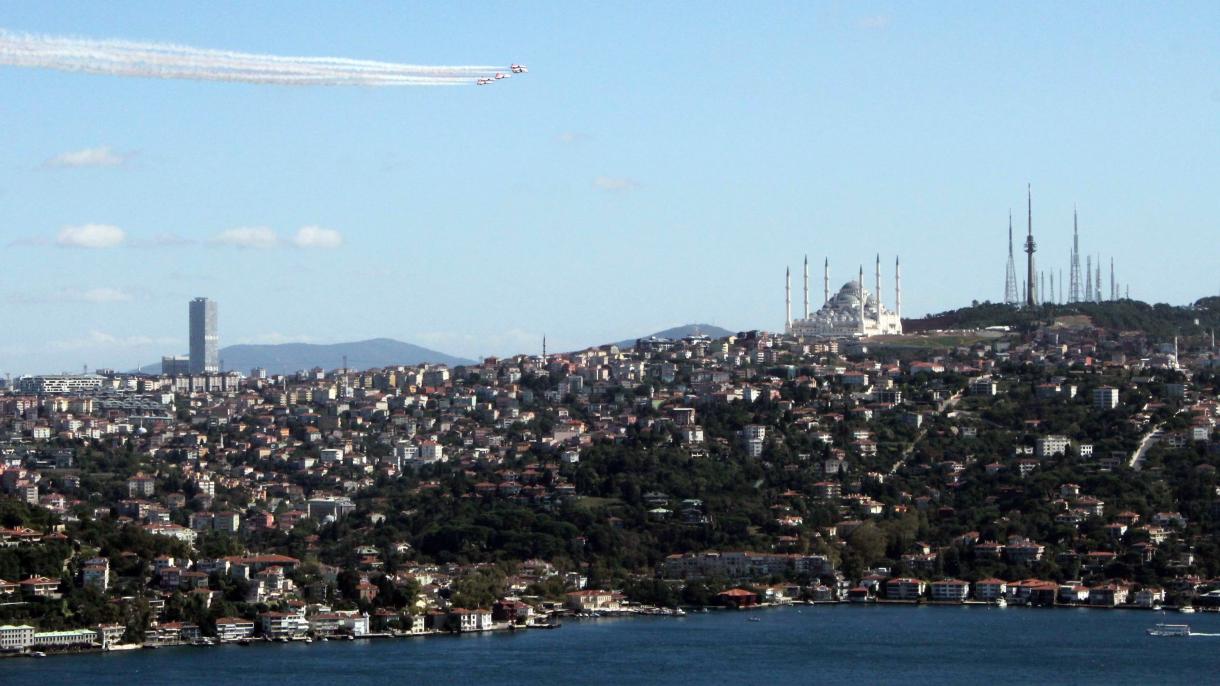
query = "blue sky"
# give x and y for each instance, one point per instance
(660, 164)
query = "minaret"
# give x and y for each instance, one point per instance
(1010, 274)
(1031, 295)
(787, 299)
(544, 348)
(806, 287)
(826, 282)
(898, 291)
(1113, 293)
(877, 293)
(1042, 286)
(860, 297)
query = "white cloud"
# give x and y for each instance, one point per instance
(94, 296)
(90, 236)
(277, 338)
(89, 157)
(317, 237)
(105, 294)
(101, 339)
(247, 237)
(611, 183)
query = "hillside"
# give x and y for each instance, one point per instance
(286, 358)
(681, 332)
(1128, 315)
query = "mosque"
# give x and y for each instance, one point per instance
(853, 312)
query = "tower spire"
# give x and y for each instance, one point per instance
(1031, 286)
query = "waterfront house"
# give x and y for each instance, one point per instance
(954, 590)
(234, 628)
(16, 637)
(591, 600)
(737, 598)
(904, 588)
(990, 589)
(463, 620)
(276, 625)
(1109, 595)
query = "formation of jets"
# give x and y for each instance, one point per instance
(515, 69)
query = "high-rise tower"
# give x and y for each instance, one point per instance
(1010, 274)
(205, 342)
(1031, 295)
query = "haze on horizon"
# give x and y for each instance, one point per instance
(657, 167)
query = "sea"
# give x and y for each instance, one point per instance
(789, 645)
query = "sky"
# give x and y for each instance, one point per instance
(660, 164)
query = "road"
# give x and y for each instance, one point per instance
(1137, 457)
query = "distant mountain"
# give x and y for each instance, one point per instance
(682, 332)
(286, 358)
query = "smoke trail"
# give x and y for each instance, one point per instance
(166, 61)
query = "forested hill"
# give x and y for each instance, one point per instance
(1125, 315)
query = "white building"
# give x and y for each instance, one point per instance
(16, 637)
(852, 312)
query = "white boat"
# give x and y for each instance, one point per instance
(1174, 630)
(1186, 610)
(1000, 602)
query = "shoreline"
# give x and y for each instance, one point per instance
(631, 613)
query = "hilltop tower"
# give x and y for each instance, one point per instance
(1010, 274)
(1074, 286)
(1031, 286)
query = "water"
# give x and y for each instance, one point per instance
(831, 645)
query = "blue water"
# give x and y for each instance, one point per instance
(825, 645)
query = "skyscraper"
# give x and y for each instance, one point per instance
(205, 342)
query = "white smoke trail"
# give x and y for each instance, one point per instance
(166, 61)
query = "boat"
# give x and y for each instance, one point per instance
(1174, 630)
(1000, 602)
(754, 619)
(38, 653)
(1186, 610)
(679, 612)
